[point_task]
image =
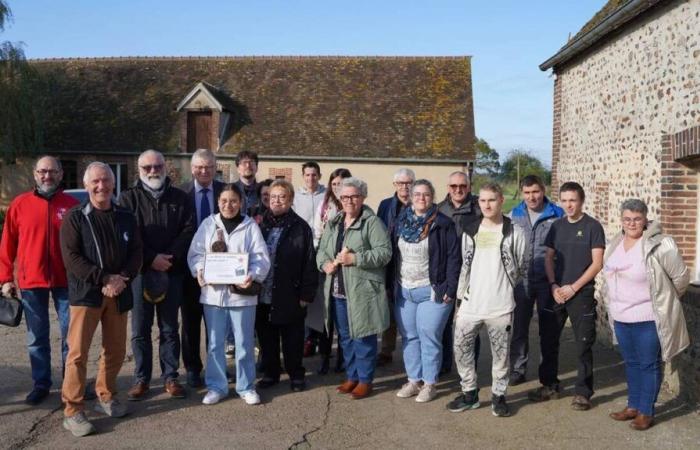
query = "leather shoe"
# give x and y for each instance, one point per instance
(642, 422)
(362, 390)
(137, 392)
(625, 414)
(36, 396)
(175, 389)
(265, 382)
(346, 387)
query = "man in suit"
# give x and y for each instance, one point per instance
(202, 192)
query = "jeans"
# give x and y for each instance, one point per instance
(242, 319)
(421, 322)
(641, 350)
(36, 313)
(526, 297)
(360, 354)
(169, 339)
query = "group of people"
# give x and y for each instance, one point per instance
(320, 261)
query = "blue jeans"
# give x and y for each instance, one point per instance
(243, 320)
(36, 313)
(641, 350)
(360, 354)
(421, 322)
(169, 339)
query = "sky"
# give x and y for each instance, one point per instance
(506, 39)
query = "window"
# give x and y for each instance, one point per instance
(121, 177)
(70, 175)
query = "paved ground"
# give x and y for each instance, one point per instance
(320, 418)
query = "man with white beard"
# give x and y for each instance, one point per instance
(165, 220)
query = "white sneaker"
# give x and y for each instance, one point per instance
(426, 393)
(408, 390)
(250, 397)
(212, 398)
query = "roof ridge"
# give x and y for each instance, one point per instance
(251, 57)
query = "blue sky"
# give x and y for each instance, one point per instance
(507, 40)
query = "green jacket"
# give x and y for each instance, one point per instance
(368, 309)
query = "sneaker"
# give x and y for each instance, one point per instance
(36, 396)
(499, 407)
(544, 393)
(112, 408)
(408, 390)
(250, 398)
(212, 398)
(465, 401)
(78, 425)
(230, 351)
(580, 403)
(427, 393)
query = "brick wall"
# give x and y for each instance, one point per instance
(556, 138)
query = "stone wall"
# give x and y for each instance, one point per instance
(623, 114)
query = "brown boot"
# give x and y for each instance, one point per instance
(346, 387)
(625, 414)
(137, 392)
(642, 422)
(362, 390)
(175, 389)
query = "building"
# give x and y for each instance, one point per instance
(627, 124)
(369, 114)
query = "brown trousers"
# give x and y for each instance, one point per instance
(83, 323)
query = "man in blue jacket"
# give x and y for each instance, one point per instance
(534, 215)
(389, 210)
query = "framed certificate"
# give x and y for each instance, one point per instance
(225, 268)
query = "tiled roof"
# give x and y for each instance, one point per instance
(385, 107)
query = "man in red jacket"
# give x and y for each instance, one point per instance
(31, 239)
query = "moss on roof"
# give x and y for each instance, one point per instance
(605, 11)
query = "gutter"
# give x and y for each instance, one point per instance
(619, 17)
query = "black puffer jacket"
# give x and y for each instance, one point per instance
(166, 224)
(295, 273)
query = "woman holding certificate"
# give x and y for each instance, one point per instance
(353, 252)
(229, 257)
(289, 287)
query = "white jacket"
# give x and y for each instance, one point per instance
(246, 238)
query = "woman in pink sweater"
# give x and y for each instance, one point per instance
(645, 276)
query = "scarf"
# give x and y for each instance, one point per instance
(414, 228)
(271, 221)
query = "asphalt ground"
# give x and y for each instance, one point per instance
(321, 418)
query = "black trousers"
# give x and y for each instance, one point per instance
(191, 329)
(292, 337)
(526, 297)
(581, 310)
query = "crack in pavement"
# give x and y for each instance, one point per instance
(305, 437)
(33, 433)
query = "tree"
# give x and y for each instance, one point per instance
(22, 97)
(487, 159)
(520, 163)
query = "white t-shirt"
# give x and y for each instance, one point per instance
(490, 293)
(415, 264)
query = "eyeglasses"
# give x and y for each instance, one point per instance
(347, 198)
(403, 183)
(629, 220)
(422, 194)
(282, 197)
(458, 186)
(246, 162)
(43, 172)
(203, 168)
(154, 167)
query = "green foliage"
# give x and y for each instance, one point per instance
(487, 159)
(22, 94)
(528, 165)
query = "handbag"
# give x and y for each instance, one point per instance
(10, 311)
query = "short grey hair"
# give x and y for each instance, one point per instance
(203, 153)
(464, 174)
(404, 172)
(634, 205)
(423, 182)
(56, 160)
(98, 165)
(151, 152)
(357, 184)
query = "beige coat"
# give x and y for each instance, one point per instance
(668, 279)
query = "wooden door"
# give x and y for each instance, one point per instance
(198, 130)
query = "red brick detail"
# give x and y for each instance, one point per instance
(556, 138)
(285, 173)
(678, 211)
